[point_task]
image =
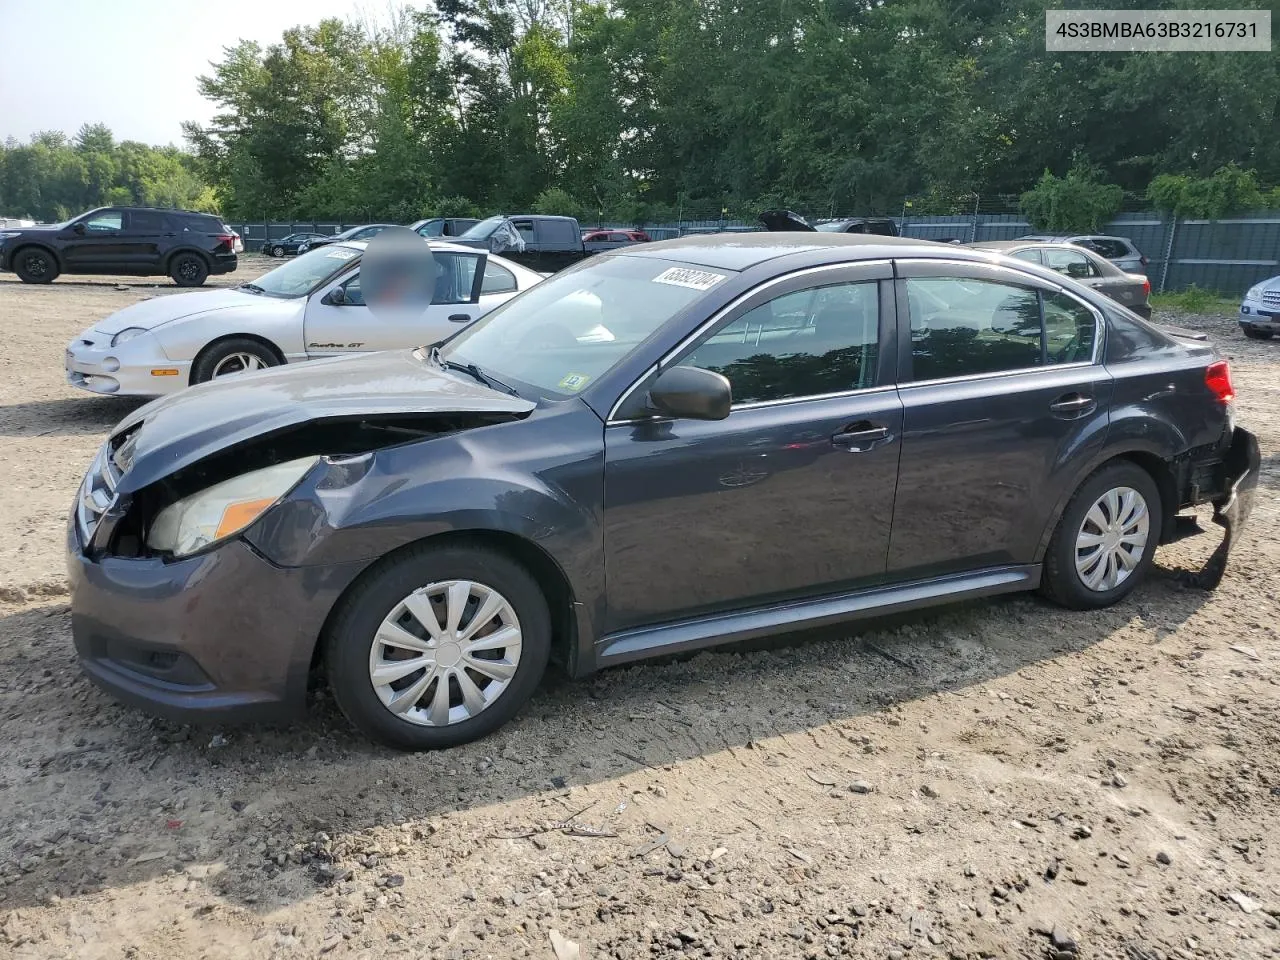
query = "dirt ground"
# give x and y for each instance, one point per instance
(1004, 779)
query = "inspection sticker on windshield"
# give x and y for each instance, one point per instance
(574, 382)
(341, 254)
(684, 277)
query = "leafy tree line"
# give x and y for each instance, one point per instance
(651, 110)
(55, 177)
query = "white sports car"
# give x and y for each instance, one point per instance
(309, 307)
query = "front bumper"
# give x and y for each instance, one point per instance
(1258, 315)
(223, 636)
(136, 368)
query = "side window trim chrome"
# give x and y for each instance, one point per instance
(727, 309)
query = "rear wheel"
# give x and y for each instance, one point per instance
(35, 265)
(1106, 540)
(438, 647)
(188, 270)
(1253, 333)
(229, 357)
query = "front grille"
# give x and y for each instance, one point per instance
(98, 491)
(1271, 297)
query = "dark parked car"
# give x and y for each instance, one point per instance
(540, 242)
(1084, 266)
(785, 221)
(1119, 250)
(751, 435)
(443, 226)
(366, 232)
(137, 241)
(288, 246)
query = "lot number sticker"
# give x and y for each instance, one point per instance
(693, 279)
(574, 382)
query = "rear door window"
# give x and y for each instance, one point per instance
(497, 279)
(964, 327)
(455, 277)
(147, 222)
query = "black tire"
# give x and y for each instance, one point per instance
(277, 251)
(349, 638)
(35, 265)
(188, 269)
(1253, 333)
(211, 358)
(1061, 582)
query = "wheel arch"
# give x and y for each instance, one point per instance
(256, 337)
(179, 251)
(47, 248)
(1158, 467)
(550, 577)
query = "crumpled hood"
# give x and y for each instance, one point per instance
(150, 314)
(181, 429)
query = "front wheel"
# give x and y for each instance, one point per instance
(277, 251)
(229, 357)
(188, 270)
(1105, 541)
(34, 265)
(438, 647)
(1253, 333)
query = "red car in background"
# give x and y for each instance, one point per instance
(620, 237)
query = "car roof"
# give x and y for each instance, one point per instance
(739, 251)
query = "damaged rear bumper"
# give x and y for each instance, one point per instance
(1242, 463)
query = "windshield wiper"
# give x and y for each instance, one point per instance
(252, 288)
(470, 368)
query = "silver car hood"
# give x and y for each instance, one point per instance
(184, 428)
(150, 314)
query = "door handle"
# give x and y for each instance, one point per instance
(460, 318)
(860, 437)
(1073, 404)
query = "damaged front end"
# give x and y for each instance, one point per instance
(230, 490)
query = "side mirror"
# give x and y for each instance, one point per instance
(1077, 271)
(337, 297)
(78, 229)
(691, 393)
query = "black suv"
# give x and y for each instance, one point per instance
(139, 241)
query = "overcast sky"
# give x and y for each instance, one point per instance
(131, 64)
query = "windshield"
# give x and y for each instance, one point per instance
(569, 330)
(300, 276)
(835, 226)
(483, 230)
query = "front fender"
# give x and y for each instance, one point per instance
(280, 323)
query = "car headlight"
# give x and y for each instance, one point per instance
(304, 247)
(124, 336)
(1255, 292)
(224, 509)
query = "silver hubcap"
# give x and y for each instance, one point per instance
(238, 363)
(445, 653)
(1112, 539)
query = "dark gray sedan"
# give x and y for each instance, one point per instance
(1084, 266)
(665, 448)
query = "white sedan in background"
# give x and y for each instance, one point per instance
(307, 308)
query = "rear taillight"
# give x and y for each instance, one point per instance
(1146, 287)
(1217, 377)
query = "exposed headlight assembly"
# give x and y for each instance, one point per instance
(124, 336)
(224, 509)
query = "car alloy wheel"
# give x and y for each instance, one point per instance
(445, 653)
(1112, 539)
(37, 264)
(277, 251)
(234, 363)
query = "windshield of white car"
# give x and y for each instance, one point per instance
(483, 229)
(559, 337)
(302, 275)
